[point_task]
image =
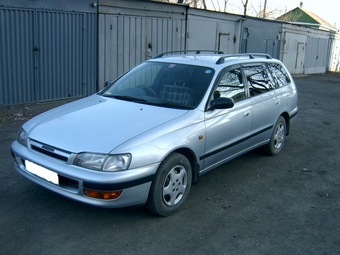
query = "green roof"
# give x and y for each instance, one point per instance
(303, 16)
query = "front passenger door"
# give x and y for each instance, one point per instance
(227, 130)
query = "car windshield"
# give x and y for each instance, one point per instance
(162, 84)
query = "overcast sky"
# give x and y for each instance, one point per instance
(325, 9)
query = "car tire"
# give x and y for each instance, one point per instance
(277, 138)
(171, 185)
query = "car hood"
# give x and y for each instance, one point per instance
(96, 124)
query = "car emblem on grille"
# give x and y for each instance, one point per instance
(48, 148)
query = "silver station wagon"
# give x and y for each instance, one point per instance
(146, 137)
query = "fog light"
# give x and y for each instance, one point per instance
(102, 194)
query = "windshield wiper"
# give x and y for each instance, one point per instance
(174, 105)
(143, 101)
(128, 98)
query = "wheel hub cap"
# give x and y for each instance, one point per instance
(279, 136)
(175, 185)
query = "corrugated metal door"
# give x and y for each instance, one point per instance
(126, 41)
(317, 55)
(46, 55)
(300, 58)
(124, 44)
(58, 54)
(16, 58)
(272, 47)
(130, 32)
(223, 42)
(335, 56)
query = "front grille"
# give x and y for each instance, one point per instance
(48, 153)
(49, 150)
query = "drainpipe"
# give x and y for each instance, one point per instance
(186, 27)
(239, 34)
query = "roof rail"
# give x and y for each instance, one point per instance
(188, 51)
(222, 59)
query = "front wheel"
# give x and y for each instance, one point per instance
(278, 137)
(171, 185)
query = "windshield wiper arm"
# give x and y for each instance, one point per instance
(174, 105)
(128, 98)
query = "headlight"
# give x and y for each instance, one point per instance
(22, 137)
(103, 162)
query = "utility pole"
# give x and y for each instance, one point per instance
(264, 9)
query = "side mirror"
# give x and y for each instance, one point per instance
(222, 103)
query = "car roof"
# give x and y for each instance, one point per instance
(214, 59)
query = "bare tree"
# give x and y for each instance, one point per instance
(225, 5)
(192, 3)
(245, 6)
(265, 12)
(250, 10)
(204, 4)
(197, 3)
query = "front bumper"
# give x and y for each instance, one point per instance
(134, 183)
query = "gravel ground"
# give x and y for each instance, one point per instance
(255, 204)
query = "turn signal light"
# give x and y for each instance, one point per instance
(102, 194)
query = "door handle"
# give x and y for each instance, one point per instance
(277, 102)
(246, 114)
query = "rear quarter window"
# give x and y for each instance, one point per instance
(258, 78)
(280, 75)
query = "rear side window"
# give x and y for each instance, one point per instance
(280, 76)
(258, 79)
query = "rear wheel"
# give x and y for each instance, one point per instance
(171, 185)
(278, 137)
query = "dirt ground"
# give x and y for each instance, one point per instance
(255, 204)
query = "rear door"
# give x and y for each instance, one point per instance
(266, 102)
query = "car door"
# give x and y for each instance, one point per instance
(266, 102)
(227, 130)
